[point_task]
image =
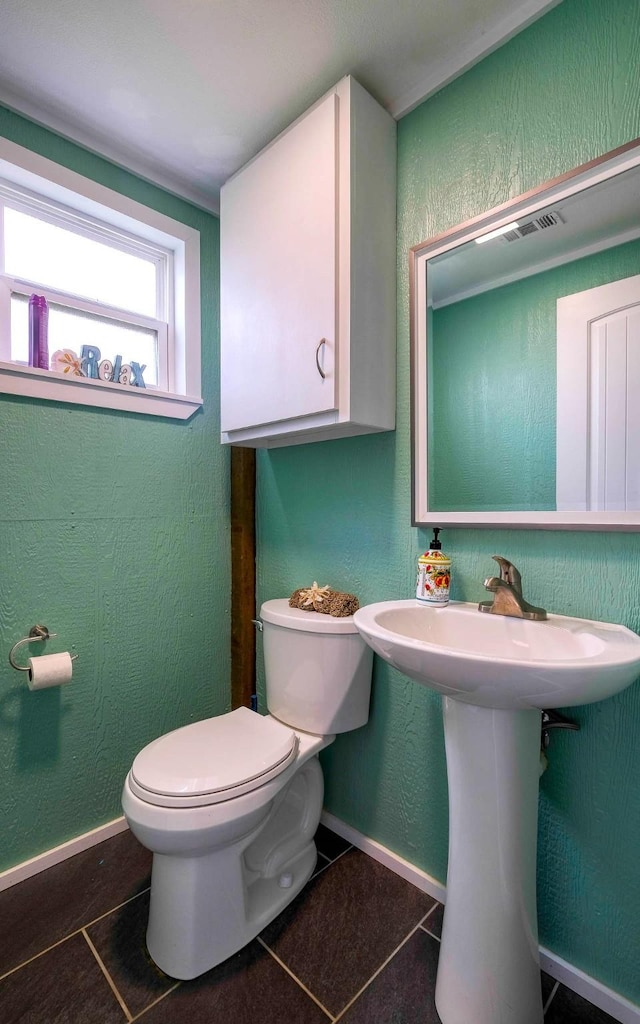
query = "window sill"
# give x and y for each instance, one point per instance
(57, 387)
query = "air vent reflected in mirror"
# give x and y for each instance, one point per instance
(546, 220)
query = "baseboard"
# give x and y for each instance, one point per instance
(45, 860)
(604, 998)
(391, 860)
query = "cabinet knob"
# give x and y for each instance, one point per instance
(323, 341)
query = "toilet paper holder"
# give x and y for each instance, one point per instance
(35, 633)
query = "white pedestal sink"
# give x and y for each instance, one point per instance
(495, 673)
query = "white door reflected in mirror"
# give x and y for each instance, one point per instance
(598, 415)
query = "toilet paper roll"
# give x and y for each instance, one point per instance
(50, 670)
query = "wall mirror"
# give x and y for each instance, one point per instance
(525, 345)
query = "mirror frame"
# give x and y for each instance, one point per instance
(526, 205)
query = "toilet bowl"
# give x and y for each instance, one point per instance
(229, 806)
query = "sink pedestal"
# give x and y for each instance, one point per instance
(489, 970)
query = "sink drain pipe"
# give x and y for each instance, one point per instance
(552, 720)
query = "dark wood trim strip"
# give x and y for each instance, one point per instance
(243, 575)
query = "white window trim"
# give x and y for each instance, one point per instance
(46, 178)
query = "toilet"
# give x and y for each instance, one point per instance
(229, 806)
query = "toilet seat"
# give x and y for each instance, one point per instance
(213, 760)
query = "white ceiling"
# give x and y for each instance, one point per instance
(185, 91)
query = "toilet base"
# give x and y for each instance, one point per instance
(204, 908)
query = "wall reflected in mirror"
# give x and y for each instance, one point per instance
(528, 342)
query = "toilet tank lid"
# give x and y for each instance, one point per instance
(279, 613)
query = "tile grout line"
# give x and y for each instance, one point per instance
(36, 956)
(324, 867)
(430, 911)
(425, 921)
(548, 1002)
(296, 979)
(158, 1000)
(70, 935)
(118, 907)
(329, 861)
(382, 966)
(108, 977)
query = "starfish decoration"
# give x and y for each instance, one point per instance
(314, 596)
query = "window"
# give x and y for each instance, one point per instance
(120, 284)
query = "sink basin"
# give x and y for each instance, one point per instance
(501, 662)
(496, 674)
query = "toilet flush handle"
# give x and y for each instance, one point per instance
(258, 624)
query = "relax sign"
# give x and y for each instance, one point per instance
(93, 365)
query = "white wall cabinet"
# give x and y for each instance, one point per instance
(308, 307)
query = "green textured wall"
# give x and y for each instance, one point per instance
(494, 388)
(565, 90)
(114, 532)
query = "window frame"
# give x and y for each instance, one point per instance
(17, 286)
(126, 223)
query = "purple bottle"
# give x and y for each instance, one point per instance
(38, 332)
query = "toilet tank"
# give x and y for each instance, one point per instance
(317, 669)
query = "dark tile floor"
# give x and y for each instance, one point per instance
(358, 945)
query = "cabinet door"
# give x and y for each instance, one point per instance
(278, 272)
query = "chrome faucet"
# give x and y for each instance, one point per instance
(507, 590)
